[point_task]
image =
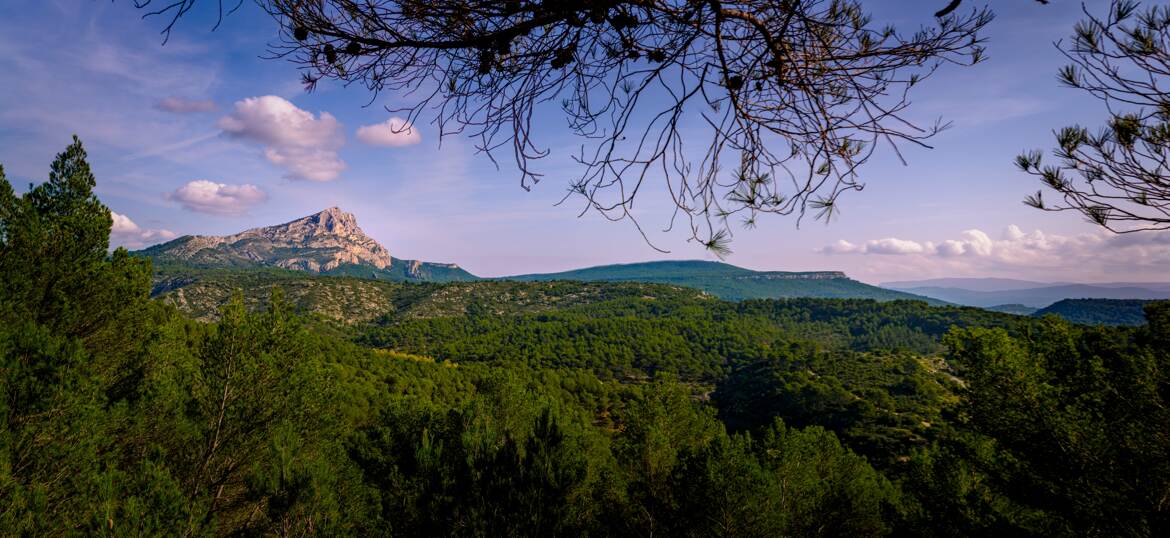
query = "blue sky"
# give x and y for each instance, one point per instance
(183, 141)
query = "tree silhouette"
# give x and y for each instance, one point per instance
(1118, 176)
(793, 95)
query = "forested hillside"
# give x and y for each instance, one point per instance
(548, 409)
(1098, 311)
(733, 283)
(201, 293)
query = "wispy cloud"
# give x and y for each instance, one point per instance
(98, 80)
(179, 105)
(171, 148)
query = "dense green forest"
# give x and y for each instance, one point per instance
(626, 414)
(1098, 311)
(201, 292)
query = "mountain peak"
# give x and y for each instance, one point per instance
(331, 221)
(333, 213)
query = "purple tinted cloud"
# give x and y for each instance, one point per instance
(179, 105)
(204, 196)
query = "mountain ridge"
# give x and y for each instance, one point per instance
(330, 243)
(1008, 284)
(731, 282)
(968, 283)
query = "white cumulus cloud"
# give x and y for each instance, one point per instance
(1036, 254)
(179, 105)
(841, 247)
(122, 224)
(127, 234)
(393, 132)
(888, 245)
(893, 245)
(303, 144)
(205, 196)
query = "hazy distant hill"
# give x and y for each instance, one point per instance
(972, 284)
(1157, 286)
(1017, 309)
(1035, 297)
(1099, 311)
(730, 282)
(1009, 284)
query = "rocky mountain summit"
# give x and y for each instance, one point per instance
(328, 242)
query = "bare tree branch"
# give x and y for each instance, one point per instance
(794, 95)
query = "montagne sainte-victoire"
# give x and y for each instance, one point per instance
(329, 242)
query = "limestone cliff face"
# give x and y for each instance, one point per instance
(419, 270)
(316, 243)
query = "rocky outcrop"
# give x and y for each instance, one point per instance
(413, 267)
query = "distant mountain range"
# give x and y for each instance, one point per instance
(1017, 309)
(200, 270)
(972, 284)
(1000, 293)
(331, 243)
